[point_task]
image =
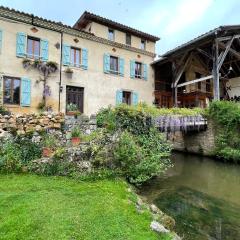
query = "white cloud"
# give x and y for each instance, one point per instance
(186, 13)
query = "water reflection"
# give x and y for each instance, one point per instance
(202, 195)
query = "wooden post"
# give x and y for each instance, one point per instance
(175, 97)
(215, 73)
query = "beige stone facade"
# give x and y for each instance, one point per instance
(99, 88)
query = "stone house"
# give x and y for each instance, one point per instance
(110, 63)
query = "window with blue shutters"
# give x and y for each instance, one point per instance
(106, 63)
(119, 97)
(134, 98)
(121, 66)
(66, 54)
(85, 58)
(25, 92)
(113, 65)
(138, 70)
(132, 69)
(44, 49)
(145, 72)
(21, 44)
(1, 36)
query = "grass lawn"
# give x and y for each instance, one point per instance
(35, 207)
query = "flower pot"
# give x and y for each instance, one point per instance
(75, 141)
(71, 113)
(47, 152)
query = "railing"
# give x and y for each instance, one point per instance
(180, 123)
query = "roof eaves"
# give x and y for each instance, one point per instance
(92, 16)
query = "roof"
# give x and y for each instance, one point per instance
(31, 19)
(87, 17)
(220, 31)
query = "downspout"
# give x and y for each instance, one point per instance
(60, 75)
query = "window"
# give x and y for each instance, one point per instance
(75, 57)
(111, 34)
(127, 97)
(143, 44)
(114, 65)
(138, 70)
(11, 90)
(128, 39)
(33, 47)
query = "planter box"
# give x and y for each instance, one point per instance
(71, 113)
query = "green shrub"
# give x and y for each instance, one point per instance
(50, 141)
(226, 117)
(4, 111)
(142, 157)
(106, 118)
(14, 155)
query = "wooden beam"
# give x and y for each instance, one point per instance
(232, 51)
(206, 54)
(228, 46)
(220, 39)
(215, 72)
(181, 70)
(195, 81)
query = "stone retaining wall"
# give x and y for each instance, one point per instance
(202, 142)
(48, 122)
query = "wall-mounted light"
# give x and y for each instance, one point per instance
(61, 89)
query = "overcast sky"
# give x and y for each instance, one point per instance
(174, 21)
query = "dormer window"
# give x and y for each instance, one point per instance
(111, 34)
(143, 44)
(128, 39)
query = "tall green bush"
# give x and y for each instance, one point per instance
(130, 144)
(226, 116)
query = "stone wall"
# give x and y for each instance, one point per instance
(52, 123)
(27, 123)
(202, 142)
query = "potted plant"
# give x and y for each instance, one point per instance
(72, 109)
(68, 70)
(49, 145)
(76, 135)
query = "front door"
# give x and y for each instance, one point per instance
(75, 96)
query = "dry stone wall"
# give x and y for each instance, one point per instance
(23, 124)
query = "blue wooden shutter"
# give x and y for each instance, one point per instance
(66, 54)
(106, 63)
(119, 97)
(85, 58)
(134, 98)
(25, 92)
(145, 72)
(44, 50)
(121, 66)
(132, 69)
(21, 44)
(1, 41)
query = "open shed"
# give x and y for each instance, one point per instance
(203, 69)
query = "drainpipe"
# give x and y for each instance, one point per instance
(60, 75)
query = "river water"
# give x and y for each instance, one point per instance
(202, 195)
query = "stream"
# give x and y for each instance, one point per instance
(202, 195)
